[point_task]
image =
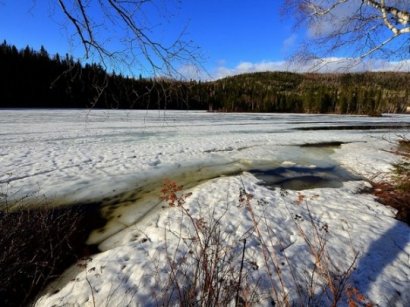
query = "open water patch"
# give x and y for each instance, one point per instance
(303, 177)
(138, 202)
(333, 144)
(312, 168)
(373, 126)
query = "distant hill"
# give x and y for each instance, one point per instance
(34, 79)
(356, 93)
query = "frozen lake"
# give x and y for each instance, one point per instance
(120, 159)
(73, 155)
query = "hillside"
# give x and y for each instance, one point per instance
(354, 93)
(31, 79)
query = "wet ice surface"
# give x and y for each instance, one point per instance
(69, 154)
(121, 157)
(303, 178)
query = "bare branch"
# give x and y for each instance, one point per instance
(374, 49)
(401, 16)
(126, 27)
(76, 24)
(320, 11)
(358, 28)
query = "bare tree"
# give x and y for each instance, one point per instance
(360, 29)
(121, 30)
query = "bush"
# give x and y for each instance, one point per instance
(397, 193)
(212, 267)
(37, 245)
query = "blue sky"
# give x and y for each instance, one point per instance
(234, 31)
(227, 31)
(234, 36)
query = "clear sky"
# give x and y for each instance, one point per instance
(229, 32)
(234, 35)
(233, 31)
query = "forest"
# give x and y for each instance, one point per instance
(34, 79)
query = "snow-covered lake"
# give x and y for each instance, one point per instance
(120, 158)
(75, 154)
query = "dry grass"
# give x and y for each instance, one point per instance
(37, 245)
(214, 268)
(206, 268)
(397, 193)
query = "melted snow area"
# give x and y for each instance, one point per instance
(259, 177)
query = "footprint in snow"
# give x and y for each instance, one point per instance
(154, 163)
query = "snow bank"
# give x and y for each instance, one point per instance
(134, 269)
(77, 156)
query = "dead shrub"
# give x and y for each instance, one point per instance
(396, 194)
(209, 267)
(37, 245)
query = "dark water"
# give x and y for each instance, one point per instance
(303, 178)
(373, 126)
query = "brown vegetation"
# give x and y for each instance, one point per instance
(37, 245)
(397, 194)
(215, 268)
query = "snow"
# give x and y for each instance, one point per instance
(123, 157)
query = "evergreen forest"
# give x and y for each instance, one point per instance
(34, 79)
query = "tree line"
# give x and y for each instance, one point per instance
(349, 93)
(34, 79)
